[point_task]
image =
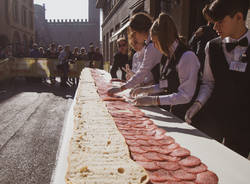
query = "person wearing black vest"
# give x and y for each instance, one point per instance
(224, 97)
(178, 71)
(139, 28)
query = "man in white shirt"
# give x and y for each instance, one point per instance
(225, 85)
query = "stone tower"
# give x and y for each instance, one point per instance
(94, 13)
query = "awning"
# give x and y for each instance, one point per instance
(117, 33)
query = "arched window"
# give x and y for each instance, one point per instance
(15, 10)
(16, 43)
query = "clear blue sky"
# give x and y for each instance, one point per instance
(65, 9)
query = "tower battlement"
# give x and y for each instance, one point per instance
(63, 21)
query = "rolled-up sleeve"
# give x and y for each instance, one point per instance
(188, 69)
(208, 81)
(151, 57)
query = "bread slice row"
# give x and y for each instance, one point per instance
(98, 152)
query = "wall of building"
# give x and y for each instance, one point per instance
(76, 33)
(17, 24)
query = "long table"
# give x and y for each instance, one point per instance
(230, 167)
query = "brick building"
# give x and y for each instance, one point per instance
(17, 25)
(187, 15)
(74, 32)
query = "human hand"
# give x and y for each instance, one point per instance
(147, 101)
(114, 90)
(192, 111)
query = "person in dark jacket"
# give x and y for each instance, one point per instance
(200, 38)
(120, 59)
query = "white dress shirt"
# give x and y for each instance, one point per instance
(208, 78)
(188, 69)
(137, 62)
(152, 57)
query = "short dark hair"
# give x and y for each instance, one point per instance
(221, 8)
(141, 22)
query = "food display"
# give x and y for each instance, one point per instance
(98, 152)
(110, 134)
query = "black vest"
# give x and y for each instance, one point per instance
(230, 98)
(171, 75)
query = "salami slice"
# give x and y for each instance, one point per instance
(167, 140)
(132, 142)
(143, 142)
(154, 142)
(196, 169)
(180, 152)
(113, 99)
(166, 149)
(161, 176)
(136, 149)
(190, 161)
(183, 175)
(170, 166)
(207, 177)
(151, 166)
(139, 157)
(152, 156)
(169, 158)
(151, 148)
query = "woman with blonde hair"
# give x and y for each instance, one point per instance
(178, 73)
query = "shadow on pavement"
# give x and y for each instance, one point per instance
(14, 86)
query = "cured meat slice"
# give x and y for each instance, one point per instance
(130, 137)
(161, 175)
(170, 166)
(166, 140)
(196, 169)
(152, 156)
(116, 80)
(169, 158)
(139, 157)
(180, 152)
(190, 161)
(151, 148)
(207, 177)
(148, 133)
(143, 142)
(174, 182)
(136, 149)
(132, 143)
(113, 99)
(151, 166)
(183, 175)
(154, 142)
(169, 148)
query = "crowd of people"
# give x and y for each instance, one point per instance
(65, 56)
(205, 82)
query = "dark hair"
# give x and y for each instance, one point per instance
(141, 22)
(166, 32)
(221, 8)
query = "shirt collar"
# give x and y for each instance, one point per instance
(173, 47)
(148, 40)
(230, 40)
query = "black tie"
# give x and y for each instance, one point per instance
(243, 42)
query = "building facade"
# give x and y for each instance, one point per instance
(17, 25)
(187, 15)
(74, 32)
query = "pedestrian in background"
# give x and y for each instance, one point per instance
(120, 59)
